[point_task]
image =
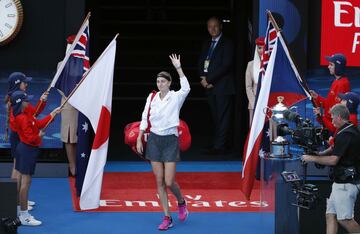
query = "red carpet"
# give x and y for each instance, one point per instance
(204, 191)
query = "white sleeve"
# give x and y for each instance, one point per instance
(184, 90)
(144, 122)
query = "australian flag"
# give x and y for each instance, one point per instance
(76, 65)
(83, 150)
(280, 78)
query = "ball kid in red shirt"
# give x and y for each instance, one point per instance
(30, 132)
(341, 84)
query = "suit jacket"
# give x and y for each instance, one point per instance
(220, 71)
(250, 85)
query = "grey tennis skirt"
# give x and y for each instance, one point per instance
(162, 148)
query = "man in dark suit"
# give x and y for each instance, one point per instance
(217, 77)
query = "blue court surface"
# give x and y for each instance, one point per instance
(54, 209)
(53, 197)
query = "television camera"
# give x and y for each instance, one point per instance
(10, 225)
(307, 195)
(306, 135)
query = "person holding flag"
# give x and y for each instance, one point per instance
(341, 84)
(252, 75)
(162, 147)
(18, 81)
(30, 132)
(351, 101)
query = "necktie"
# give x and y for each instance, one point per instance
(211, 49)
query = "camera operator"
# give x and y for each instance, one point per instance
(345, 159)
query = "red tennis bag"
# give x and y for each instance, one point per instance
(131, 133)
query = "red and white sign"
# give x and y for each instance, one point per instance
(209, 192)
(340, 30)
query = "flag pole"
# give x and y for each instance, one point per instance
(303, 81)
(272, 19)
(80, 82)
(64, 61)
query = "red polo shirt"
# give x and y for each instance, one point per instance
(31, 109)
(28, 127)
(341, 85)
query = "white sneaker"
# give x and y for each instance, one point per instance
(29, 221)
(31, 203)
(30, 207)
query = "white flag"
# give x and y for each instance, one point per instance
(93, 98)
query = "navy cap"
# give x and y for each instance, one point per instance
(352, 100)
(340, 63)
(15, 80)
(16, 99)
(19, 96)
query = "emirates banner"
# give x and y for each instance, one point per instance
(340, 30)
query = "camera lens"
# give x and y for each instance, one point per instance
(10, 225)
